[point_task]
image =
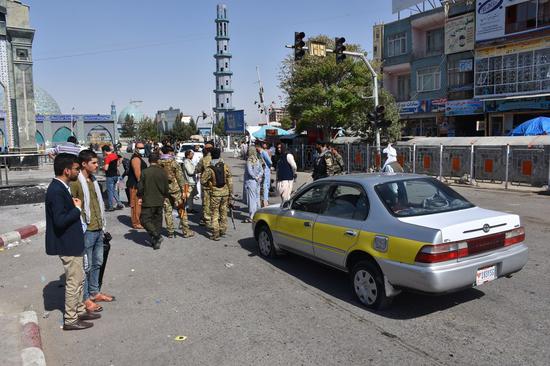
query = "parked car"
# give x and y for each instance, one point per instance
(394, 232)
(180, 155)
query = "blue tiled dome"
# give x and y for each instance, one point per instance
(44, 103)
(130, 110)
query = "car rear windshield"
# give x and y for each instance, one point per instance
(415, 197)
(184, 148)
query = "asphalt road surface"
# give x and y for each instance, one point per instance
(235, 308)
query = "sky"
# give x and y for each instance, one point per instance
(88, 54)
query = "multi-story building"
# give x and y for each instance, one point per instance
(277, 114)
(223, 73)
(469, 68)
(512, 62)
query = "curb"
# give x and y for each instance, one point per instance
(31, 352)
(22, 233)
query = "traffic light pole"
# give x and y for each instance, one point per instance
(374, 88)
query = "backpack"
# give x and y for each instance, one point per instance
(218, 179)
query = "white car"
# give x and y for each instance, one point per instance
(180, 155)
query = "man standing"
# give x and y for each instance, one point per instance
(69, 147)
(286, 170)
(110, 166)
(65, 238)
(189, 175)
(87, 190)
(137, 165)
(201, 166)
(179, 192)
(323, 166)
(339, 165)
(266, 164)
(391, 165)
(153, 190)
(218, 177)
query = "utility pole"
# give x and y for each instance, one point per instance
(261, 94)
(363, 57)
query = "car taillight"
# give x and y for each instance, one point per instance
(514, 236)
(442, 252)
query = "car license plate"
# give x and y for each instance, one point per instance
(485, 275)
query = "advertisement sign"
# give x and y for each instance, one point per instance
(464, 107)
(466, 65)
(204, 131)
(460, 34)
(234, 121)
(517, 105)
(489, 19)
(438, 105)
(410, 107)
(398, 5)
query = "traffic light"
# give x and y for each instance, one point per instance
(299, 45)
(378, 118)
(339, 49)
(204, 115)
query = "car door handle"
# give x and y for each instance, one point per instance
(307, 223)
(350, 233)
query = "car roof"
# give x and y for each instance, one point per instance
(374, 178)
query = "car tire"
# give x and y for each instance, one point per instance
(368, 285)
(265, 242)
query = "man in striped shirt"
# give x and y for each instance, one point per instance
(69, 147)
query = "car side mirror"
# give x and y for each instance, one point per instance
(286, 205)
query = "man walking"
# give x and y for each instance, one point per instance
(110, 166)
(218, 177)
(179, 192)
(87, 190)
(153, 190)
(339, 165)
(65, 238)
(323, 166)
(189, 175)
(286, 170)
(261, 147)
(137, 165)
(201, 166)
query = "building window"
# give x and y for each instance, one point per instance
(227, 100)
(227, 82)
(226, 64)
(221, 87)
(460, 73)
(513, 74)
(403, 87)
(22, 54)
(225, 47)
(428, 79)
(521, 17)
(544, 13)
(222, 105)
(434, 41)
(397, 44)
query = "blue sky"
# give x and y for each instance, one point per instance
(90, 53)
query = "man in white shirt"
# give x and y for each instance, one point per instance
(286, 172)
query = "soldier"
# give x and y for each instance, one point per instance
(323, 166)
(205, 194)
(339, 165)
(179, 192)
(218, 177)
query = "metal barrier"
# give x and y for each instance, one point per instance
(496, 164)
(15, 161)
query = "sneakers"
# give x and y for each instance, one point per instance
(109, 209)
(171, 235)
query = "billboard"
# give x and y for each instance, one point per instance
(464, 107)
(489, 19)
(398, 5)
(234, 122)
(460, 34)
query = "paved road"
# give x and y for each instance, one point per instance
(236, 308)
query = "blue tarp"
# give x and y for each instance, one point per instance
(260, 134)
(533, 127)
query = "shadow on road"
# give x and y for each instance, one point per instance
(138, 237)
(336, 284)
(125, 220)
(54, 295)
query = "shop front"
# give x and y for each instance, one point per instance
(505, 115)
(423, 117)
(465, 118)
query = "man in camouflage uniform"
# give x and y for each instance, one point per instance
(324, 164)
(339, 165)
(218, 177)
(205, 190)
(176, 184)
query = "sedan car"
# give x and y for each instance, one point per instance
(394, 232)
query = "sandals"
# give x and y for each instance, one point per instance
(103, 297)
(92, 307)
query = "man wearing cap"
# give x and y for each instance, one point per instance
(391, 165)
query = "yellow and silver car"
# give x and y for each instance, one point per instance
(394, 232)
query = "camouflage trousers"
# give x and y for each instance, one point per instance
(169, 204)
(218, 209)
(206, 214)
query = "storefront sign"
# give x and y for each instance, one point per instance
(437, 105)
(466, 65)
(489, 19)
(410, 107)
(460, 34)
(517, 105)
(463, 107)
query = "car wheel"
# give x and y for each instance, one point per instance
(368, 285)
(265, 242)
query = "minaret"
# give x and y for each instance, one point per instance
(116, 126)
(223, 91)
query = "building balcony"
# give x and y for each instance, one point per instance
(222, 38)
(223, 73)
(221, 91)
(222, 55)
(221, 20)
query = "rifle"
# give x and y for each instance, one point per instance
(231, 213)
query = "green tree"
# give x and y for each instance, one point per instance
(323, 94)
(148, 129)
(286, 123)
(128, 127)
(219, 128)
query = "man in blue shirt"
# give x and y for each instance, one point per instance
(261, 147)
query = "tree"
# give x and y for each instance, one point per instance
(219, 128)
(286, 123)
(323, 94)
(128, 127)
(148, 129)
